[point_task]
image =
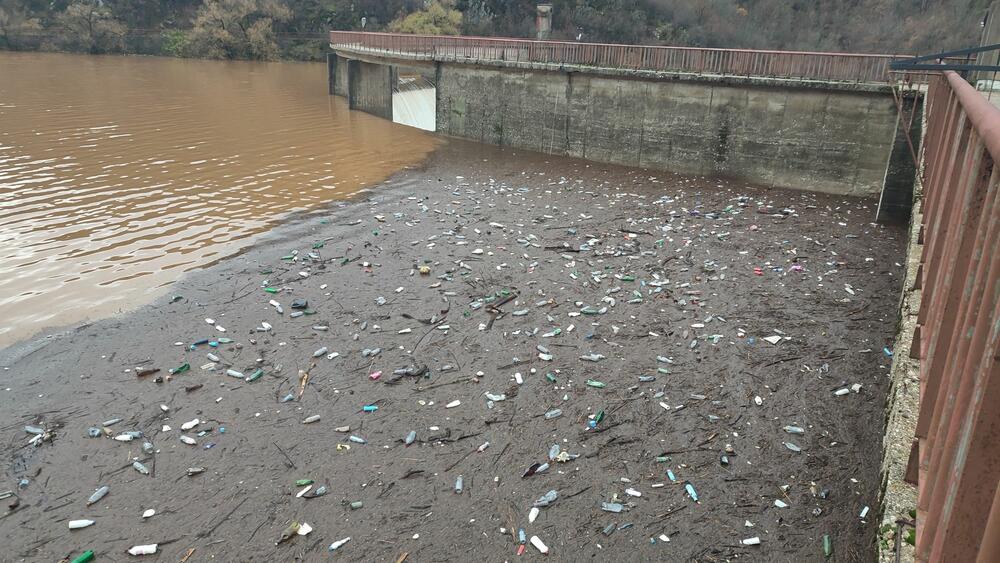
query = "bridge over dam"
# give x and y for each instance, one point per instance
(827, 122)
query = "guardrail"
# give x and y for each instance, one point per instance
(958, 338)
(843, 67)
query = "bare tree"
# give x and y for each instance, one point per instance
(16, 25)
(90, 26)
(237, 29)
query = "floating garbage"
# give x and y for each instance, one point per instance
(142, 549)
(691, 492)
(535, 469)
(539, 545)
(100, 493)
(338, 544)
(594, 325)
(546, 499)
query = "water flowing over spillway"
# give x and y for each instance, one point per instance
(416, 108)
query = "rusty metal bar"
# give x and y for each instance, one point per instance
(958, 507)
(801, 65)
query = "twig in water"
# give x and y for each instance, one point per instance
(291, 464)
(224, 518)
(460, 460)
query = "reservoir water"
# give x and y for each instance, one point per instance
(117, 174)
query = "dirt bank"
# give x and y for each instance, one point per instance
(617, 274)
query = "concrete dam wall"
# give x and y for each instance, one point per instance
(826, 141)
(821, 136)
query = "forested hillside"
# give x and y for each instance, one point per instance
(270, 29)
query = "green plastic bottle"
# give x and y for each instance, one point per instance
(84, 557)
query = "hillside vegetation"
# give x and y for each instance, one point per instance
(272, 29)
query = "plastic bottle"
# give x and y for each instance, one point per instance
(338, 544)
(691, 492)
(142, 549)
(98, 495)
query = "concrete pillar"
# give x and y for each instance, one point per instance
(543, 21)
(440, 117)
(353, 82)
(990, 36)
(331, 73)
(370, 86)
(896, 200)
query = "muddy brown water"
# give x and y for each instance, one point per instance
(116, 180)
(117, 174)
(520, 209)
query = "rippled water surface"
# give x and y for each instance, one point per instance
(117, 174)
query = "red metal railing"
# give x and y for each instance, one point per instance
(847, 67)
(958, 511)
